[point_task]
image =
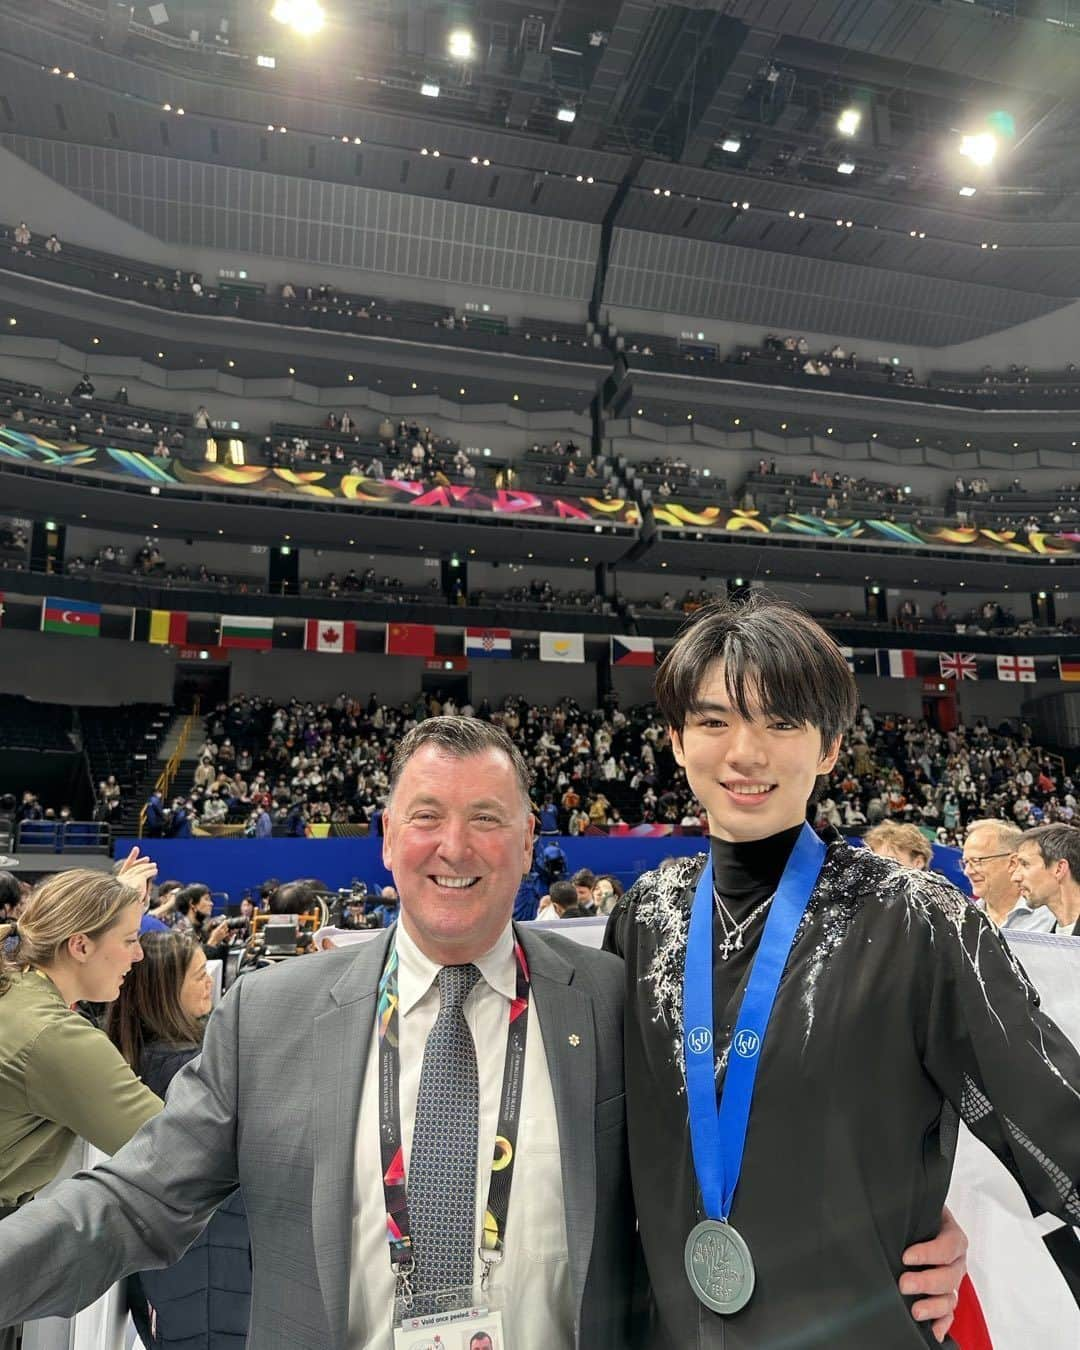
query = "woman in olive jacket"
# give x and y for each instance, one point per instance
(60, 1077)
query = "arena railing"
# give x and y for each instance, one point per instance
(172, 766)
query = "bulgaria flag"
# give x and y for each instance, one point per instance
(70, 616)
(410, 639)
(896, 664)
(246, 631)
(632, 651)
(488, 644)
(326, 635)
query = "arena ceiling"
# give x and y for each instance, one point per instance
(705, 136)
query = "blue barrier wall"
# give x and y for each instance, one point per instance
(238, 865)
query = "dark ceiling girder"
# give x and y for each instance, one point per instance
(753, 53)
(609, 80)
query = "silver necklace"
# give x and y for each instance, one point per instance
(732, 939)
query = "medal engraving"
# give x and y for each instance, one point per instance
(719, 1267)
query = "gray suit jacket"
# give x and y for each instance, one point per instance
(271, 1105)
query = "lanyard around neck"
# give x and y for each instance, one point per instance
(398, 1228)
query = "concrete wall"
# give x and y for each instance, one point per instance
(46, 205)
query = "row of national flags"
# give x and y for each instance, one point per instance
(901, 664)
(83, 618)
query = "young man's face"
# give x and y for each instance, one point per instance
(753, 775)
(1039, 884)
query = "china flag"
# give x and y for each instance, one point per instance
(410, 639)
(327, 635)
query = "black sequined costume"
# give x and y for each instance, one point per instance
(898, 997)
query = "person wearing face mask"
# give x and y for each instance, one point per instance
(75, 941)
(989, 860)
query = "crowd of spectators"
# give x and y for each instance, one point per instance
(283, 767)
(900, 768)
(66, 417)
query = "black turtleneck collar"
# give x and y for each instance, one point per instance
(749, 871)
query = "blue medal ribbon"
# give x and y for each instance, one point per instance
(718, 1132)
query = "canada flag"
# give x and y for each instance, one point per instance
(328, 635)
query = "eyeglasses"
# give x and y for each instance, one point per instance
(967, 863)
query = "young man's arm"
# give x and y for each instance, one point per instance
(1008, 1069)
(141, 1209)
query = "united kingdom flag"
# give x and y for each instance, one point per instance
(957, 666)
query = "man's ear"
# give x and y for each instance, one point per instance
(677, 748)
(829, 756)
(387, 840)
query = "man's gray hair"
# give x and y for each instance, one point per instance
(1006, 834)
(460, 737)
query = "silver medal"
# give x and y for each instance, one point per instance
(719, 1266)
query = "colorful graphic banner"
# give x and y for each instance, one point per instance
(322, 483)
(674, 515)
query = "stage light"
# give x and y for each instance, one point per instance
(967, 191)
(846, 166)
(13, 321)
(980, 148)
(267, 62)
(460, 44)
(429, 90)
(731, 144)
(847, 124)
(566, 115)
(305, 17)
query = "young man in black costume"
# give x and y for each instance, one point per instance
(898, 1001)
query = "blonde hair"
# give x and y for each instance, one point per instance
(79, 901)
(894, 833)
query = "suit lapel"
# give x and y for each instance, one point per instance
(564, 1012)
(342, 1038)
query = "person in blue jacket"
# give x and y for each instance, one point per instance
(157, 1022)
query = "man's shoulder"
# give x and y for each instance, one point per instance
(857, 874)
(312, 976)
(604, 968)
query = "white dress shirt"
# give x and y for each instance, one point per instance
(532, 1284)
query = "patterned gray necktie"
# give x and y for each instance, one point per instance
(442, 1166)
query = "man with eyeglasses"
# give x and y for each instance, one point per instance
(989, 860)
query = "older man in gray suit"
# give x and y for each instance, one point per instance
(324, 1083)
(288, 1101)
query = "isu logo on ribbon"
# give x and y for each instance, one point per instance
(747, 1044)
(699, 1041)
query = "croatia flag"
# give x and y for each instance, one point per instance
(896, 664)
(488, 644)
(327, 635)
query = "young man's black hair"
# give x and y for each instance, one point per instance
(773, 653)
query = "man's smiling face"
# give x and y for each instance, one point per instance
(754, 774)
(458, 839)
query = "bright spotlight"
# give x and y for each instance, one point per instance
(980, 148)
(566, 114)
(967, 191)
(305, 17)
(847, 124)
(846, 166)
(429, 90)
(731, 144)
(460, 44)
